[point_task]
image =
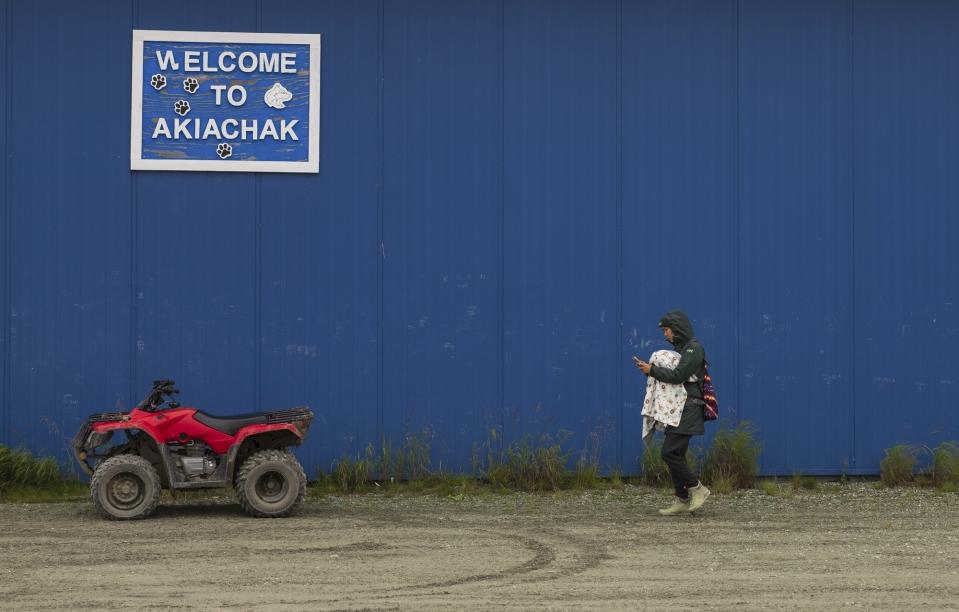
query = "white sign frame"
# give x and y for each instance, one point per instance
(312, 165)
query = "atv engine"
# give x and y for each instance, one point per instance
(194, 459)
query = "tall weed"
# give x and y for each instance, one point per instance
(945, 465)
(733, 459)
(525, 465)
(898, 466)
(586, 475)
(19, 468)
(653, 470)
(804, 482)
(349, 474)
(411, 461)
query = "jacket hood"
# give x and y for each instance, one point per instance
(677, 321)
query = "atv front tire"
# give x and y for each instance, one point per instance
(270, 483)
(125, 487)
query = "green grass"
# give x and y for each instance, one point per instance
(808, 483)
(538, 464)
(616, 480)
(898, 466)
(410, 462)
(62, 491)
(529, 466)
(653, 469)
(770, 488)
(586, 476)
(25, 478)
(722, 483)
(945, 466)
(733, 459)
(949, 487)
(19, 469)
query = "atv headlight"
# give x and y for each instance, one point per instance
(97, 438)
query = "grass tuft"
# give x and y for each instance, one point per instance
(61, 491)
(898, 466)
(616, 479)
(808, 483)
(770, 488)
(25, 478)
(945, 466)
(19, 468)
(653, 470)
(586, 476)
(733, 459)
(723, 483)
(532, 467)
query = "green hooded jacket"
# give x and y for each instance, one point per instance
(692, 361)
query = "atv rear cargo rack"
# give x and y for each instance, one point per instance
(290, 415)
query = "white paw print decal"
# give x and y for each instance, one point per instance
(181, 107)
(190, 85)
(224, 150)
(158, 81)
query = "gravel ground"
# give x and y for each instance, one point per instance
(843, 547)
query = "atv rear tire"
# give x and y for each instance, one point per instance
(125, 487)
(270, 483)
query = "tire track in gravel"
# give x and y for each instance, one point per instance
(544, 555)
(587, 555)
(585, 552)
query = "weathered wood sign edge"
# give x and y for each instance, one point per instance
(137, 160)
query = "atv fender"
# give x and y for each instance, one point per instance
(250, 433)
(166, 476)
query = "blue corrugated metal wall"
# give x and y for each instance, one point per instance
(510, 194)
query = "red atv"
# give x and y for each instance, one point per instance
(182, 448)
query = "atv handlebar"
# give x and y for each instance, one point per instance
(155, 399)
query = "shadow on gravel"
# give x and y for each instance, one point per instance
(226, 509)
(172, 511)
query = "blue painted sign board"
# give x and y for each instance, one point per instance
(225, 101)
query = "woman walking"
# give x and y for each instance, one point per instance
(688, 372)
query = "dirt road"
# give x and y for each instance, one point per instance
(845, 547)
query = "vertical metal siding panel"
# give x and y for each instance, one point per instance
(32, 283)
(5, 436)
(69, 251)
(679, 190)
(907, 187)
(440, 224)
(561, 155)
(319, 274)
(796, 175)
(196, 299)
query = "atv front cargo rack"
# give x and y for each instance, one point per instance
(80, 439)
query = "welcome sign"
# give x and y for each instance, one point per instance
(225, 101)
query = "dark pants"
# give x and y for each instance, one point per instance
(674, 454)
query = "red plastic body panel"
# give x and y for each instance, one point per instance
(179, 425)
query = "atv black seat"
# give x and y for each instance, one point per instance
(232, 424)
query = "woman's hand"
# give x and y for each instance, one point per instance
(642, 365)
